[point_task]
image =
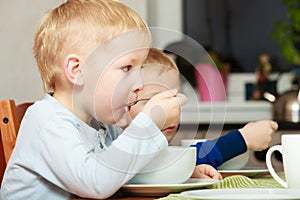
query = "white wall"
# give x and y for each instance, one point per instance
(161, 14)
(166, 14)
(20, 79)
(140, 6)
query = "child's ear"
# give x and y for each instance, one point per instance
(72, 68)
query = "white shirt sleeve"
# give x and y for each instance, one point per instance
(99, 174)
(52, 160)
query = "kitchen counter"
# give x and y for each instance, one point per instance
(236, 110)
(228, 112)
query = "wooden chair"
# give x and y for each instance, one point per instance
(10, 119)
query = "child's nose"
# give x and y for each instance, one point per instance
(138, 85)
(138, 81)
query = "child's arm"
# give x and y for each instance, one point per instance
(99, 173)
(206, 171)
(254, 136)
(217, 151)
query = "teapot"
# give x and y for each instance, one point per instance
(286, 107)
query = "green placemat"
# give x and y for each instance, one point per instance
(237, 181)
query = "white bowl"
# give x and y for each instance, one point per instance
(235, 163)
(172, 165)
(188, 142)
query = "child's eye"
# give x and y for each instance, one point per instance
(126, 68)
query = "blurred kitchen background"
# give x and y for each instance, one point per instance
(238, 32)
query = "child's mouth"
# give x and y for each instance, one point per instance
(169, 129)
(127, 108)
(132, 103)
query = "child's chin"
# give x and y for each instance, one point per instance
(118, 116)
(123, 123)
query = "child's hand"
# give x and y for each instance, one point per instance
(206, 171)
(258, 135)
(164, 108)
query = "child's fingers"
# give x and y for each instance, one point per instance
(274, 125)
(168, 93)
(217, 177)
(182, 99)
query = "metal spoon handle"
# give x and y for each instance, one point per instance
(135, 102)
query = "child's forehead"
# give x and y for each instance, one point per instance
(120, 48)
(151, 88)
(157, 77)
(139, 54)
(159, 72)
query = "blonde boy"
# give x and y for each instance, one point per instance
(89, 53)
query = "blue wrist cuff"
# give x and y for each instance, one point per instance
(208, 153)
(231, 145)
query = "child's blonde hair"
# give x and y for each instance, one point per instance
(161, 69)
(157, 56)
(78, 26)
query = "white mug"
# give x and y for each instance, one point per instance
(290, 149)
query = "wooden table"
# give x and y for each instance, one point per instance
(132, 198)
(123, 198)
(120, 196)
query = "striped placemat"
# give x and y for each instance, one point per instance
(237, 181)
(240, 181)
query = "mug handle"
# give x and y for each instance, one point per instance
(270, 167)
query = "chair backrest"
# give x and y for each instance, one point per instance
(10, 119)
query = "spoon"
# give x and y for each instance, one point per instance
(135, 102)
